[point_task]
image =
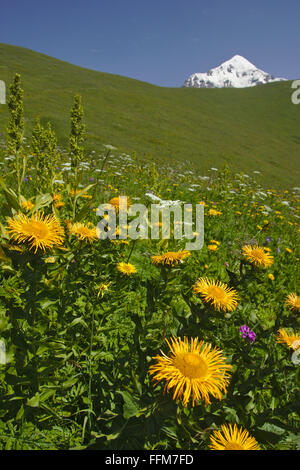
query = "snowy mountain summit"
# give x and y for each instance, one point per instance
(237, 72)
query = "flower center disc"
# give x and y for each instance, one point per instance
(85, 231)
(36, 229)
(297, 303)
(191, 365)
(216, 292)
(234, 446)
(258, 254)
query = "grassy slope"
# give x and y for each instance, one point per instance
(252, 129)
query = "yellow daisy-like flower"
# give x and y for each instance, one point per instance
(41, 232)
(102, 288)
(56, 197)
(214, 212)
(232, 438)
(271, 276)
(83, 232)
(59, 204)
(215, 242)
(193, 370)
(217, 294)
(126, 268)
(119, 204)
(293, 300)
(212, 247)
(27, 205)
(258, 256)
(72, 192)
(291, 340)
(170, 258)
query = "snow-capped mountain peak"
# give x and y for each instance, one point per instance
(236, 72)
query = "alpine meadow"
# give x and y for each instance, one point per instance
(138, 343)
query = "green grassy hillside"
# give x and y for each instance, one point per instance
(251, 129)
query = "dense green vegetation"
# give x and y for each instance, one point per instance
(84, 321)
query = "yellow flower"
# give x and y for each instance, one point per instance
(217, 294)
(232, 438)
(293, 300)
(291, 340)
(214, 212)
(271, 276)
(72, 192)
(126, 268)
(212, 247)
(78, 191)
(289, 250)
(83, 232)
(41, 232)
(102, 288)
(193, 370)
(59, 204)
(115, 201)
(170, 258)
(56, 197)
(118, 242)
(257, 256)
(27, 205)
(215, 242)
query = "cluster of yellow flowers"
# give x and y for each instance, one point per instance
(194, 370)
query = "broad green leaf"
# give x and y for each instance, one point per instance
(130, 407)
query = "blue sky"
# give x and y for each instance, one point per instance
(158, 41)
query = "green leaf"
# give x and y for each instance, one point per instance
(78, 321)
(34, 401)
(11, 196)
(272, 428)
(70, 383)
(20, 412)
(130, 407)
(42, 200)
(83, 211)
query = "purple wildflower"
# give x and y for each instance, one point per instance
(251, 336)
(247, 333)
